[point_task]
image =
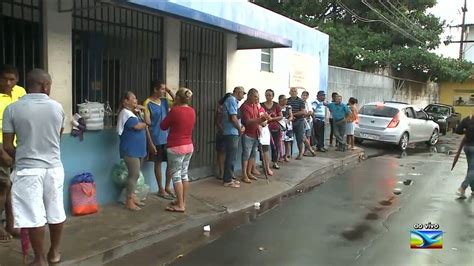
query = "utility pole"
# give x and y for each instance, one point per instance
(463, 30)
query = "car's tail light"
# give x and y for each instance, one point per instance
(395, 121)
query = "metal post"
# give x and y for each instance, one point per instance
(463, 29)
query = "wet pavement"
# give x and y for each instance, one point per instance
(360, 217)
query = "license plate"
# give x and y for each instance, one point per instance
(369, 136)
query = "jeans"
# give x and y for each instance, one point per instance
(231, 148)
(319, 127)
(179, 164)
(331, 133)
(340, 132)
(249, 148)
(275, 145)
(469, 180)
(298, 129)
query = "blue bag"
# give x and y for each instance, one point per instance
(83, 178)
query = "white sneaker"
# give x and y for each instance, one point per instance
(461, 193)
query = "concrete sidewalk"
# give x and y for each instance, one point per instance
(115, 232)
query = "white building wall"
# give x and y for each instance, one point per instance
(58, 55)
(243, 69)
(247, 72)
(232, 77)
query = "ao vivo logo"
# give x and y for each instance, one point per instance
(426, 236)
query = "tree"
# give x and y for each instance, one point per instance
(371, 34)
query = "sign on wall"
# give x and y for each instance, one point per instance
(463, 98)
(305, 71)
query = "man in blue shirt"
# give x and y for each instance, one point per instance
(232, 130)
(319, 110)
(339, 112)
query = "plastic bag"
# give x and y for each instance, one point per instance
(120, 174)
(141, 192)
(83, 178)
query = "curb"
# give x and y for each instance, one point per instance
(186, 236)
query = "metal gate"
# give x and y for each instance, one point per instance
(21, 35)
(115, 49)
(202, 69)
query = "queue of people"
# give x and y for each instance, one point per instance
(160, 130)
(274, 126)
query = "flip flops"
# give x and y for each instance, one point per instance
(58, 260)
(173, 209)
(166, 197)
(232, 184)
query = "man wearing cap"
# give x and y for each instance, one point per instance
(232, 130)
(320, 112)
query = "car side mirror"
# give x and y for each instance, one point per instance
(430, 118)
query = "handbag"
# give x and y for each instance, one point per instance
(83, 197)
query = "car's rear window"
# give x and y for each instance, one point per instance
(436, 109)
(378, 110)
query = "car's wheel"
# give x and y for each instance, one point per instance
(434, 138)
(359, 140)
(403, 143)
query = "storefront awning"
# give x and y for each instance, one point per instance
(247, 37)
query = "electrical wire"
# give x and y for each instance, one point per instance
(366, 20)
(391, 24)
(411, 23)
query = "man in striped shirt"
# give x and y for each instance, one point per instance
(298, 108)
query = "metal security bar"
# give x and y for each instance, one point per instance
(202, 69)
(21, 35)
(115, 49)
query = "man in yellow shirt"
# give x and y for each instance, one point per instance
(9, 93)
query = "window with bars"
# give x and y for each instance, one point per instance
(266, 63)
(116, 49)
(21, 35)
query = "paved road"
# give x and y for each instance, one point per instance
(356, 219)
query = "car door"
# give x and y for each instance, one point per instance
(426, 127)
(414, 125)
(455, 117)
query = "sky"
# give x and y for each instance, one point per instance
(450, 10)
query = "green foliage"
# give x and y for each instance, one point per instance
(395, 34)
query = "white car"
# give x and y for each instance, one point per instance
(396, 123)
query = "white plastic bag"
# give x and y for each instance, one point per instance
(265, 136)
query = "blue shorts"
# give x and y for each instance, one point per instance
(249, 148)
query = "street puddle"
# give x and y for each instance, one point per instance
(397, 191)
(356, 233)
(371, 216)
(385, 202)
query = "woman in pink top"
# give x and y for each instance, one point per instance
(180, 122)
